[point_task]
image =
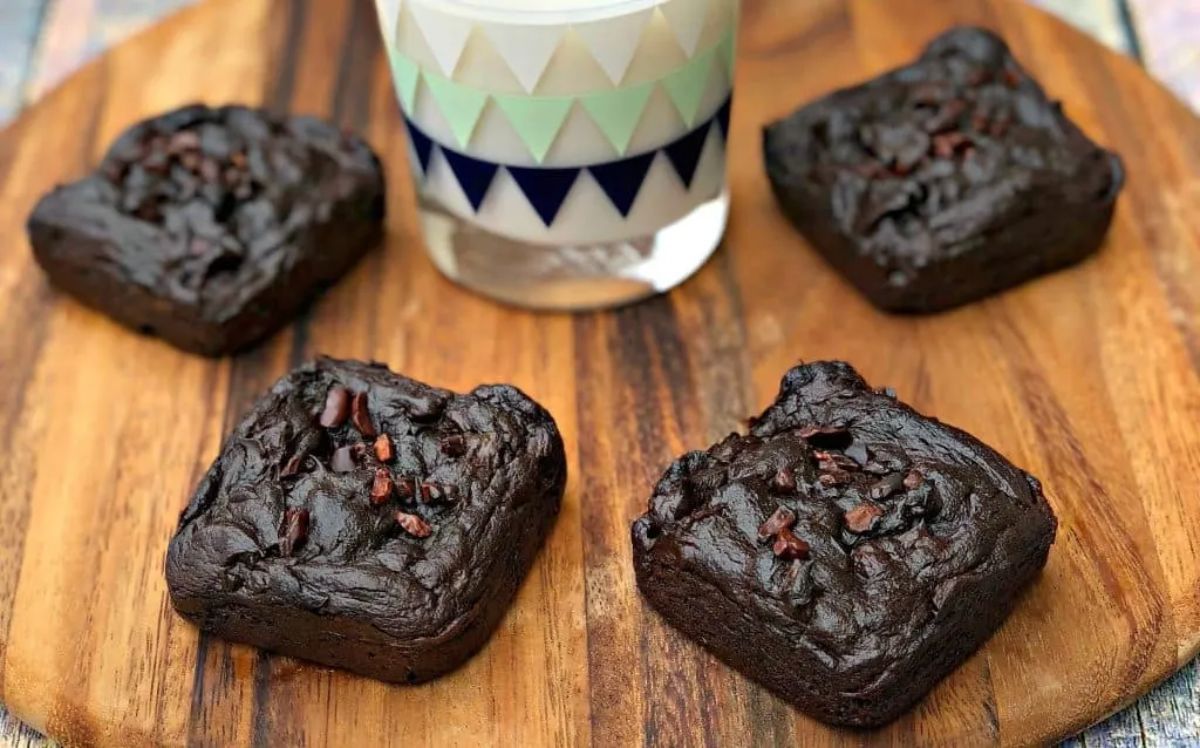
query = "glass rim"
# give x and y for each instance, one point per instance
(600, 9)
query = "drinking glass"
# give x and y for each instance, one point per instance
(566, 154)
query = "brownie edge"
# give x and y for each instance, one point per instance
(847, 553)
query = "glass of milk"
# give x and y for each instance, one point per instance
(566, 154)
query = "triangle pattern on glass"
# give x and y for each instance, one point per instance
(474, 176)
(684, 154)
(613, 42)
(526, 49)
(389, 19)
(446, 34)
(422, 145)
(462, 106)
(537, 119)
(546, 189)
(686, 86)
(405, 75)
(686, 19)
(723, 116)
(622, 180)
(618, 112)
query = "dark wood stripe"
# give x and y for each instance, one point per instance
(679, 678)
(349, 107)
(249, 375)
(351, 104)
(262, 693)
(731, 398)
(621, 400)
(283, 78)
(198, 690)
(281, 98)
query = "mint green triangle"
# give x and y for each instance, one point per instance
(537, 119)
(618, 112)
(405, 74)
(461, 106)
(686, 86)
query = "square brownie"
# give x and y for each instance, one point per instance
(213, 227)
(369, 522)
(944, 181)
(847, 553)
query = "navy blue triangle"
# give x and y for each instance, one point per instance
(421, 143)
(685, 153)
(623, 180)
(546, 188)
(474, 176)
(723, 115)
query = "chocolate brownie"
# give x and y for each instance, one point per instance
(848, 552)
(944, 181)
(211, 228)
(369, 522)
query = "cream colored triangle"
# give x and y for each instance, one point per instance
(445, 33)
(389, 19)
(526, 49)
(614, 41)
(686, 19)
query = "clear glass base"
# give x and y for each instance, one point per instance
(577, 277)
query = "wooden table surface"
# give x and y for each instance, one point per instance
(41, 41)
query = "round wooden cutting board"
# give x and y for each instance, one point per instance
(1089, 379)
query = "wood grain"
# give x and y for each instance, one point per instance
(1089, 379)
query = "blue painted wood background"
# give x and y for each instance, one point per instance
(42, 41)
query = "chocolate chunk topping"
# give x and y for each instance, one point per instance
(360, 416)
(784, 481)
(294, 532)
(948, 144)
(836, 478)
(406, 488)
(384, 451)
(343, 460)
(292, 467)
(431, 493)
(337, 407)
(862, 518)
(913, 480)
(789, 547)
(381, 488)
(782, 519)
(413, 525)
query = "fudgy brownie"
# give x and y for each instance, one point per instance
(210, 227)
(848, 552)
(944, 181)
(369, 522)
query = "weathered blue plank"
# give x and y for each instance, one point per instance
(19, 21)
